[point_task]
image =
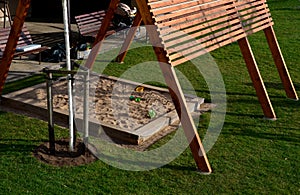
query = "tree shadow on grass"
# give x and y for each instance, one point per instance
(276, 86)
(23, 146)
(283, 134)
(258, 116)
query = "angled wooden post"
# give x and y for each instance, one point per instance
(12, 41)
(280, 63)
(175, 90)
(102, 31)
(129, 38)
(257, 80)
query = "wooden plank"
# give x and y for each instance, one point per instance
(208, 40)
(178, 38)
(191, 11)
(256, 16)
(280, 63)
(24, 39)
(250, 30)
(198, 22)
(205, 48)
(89, 24)
(158, 4)
(187, 7)
(259, 86)
(243, 5)
(252, 10)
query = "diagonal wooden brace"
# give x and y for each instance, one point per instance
(102, 32)
(129, 38)
(185, 118)
(257, 80)
(280, 63)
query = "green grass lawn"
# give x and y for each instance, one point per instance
(251, 155)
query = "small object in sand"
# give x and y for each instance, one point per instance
(151, 113)
(137, 99)
(131, 97)
(139, 89)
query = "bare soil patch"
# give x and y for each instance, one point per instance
(63, 156)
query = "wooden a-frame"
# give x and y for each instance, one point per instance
(244, 17)
(146, 13)
(242, 41)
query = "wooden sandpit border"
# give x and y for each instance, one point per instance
(137, 136)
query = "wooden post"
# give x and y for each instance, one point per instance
(185, 118)
(136, 23)
(175, 90)
(109, 15)
(12, 41)
(256, 79)
(280, 63)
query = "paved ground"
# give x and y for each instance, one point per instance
(49, 34)
(42, 32)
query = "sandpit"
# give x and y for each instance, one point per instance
(116, 105)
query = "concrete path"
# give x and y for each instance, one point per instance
(49, 34)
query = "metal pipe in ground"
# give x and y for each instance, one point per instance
(50, 113)
(86, 107)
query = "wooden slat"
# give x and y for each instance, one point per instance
(159, 3)
(209, 39)
(194, 20)
(186, 58)
(187, 7)
(250, 31)
(195, 10)
(197, 32)
(206, 43)
(24, 39)
(89, 24)
(211, 23)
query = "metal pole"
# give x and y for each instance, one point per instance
(50, 113)
(70, 86)
(69, 21)
(86, 106)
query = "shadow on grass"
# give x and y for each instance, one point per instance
(277, 86)
(284, 135)
(271, 85)
(180, 167)
(258, 116)
(9, 146)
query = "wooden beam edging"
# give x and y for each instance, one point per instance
(12, 41)
(280, 63)
(256, 78)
